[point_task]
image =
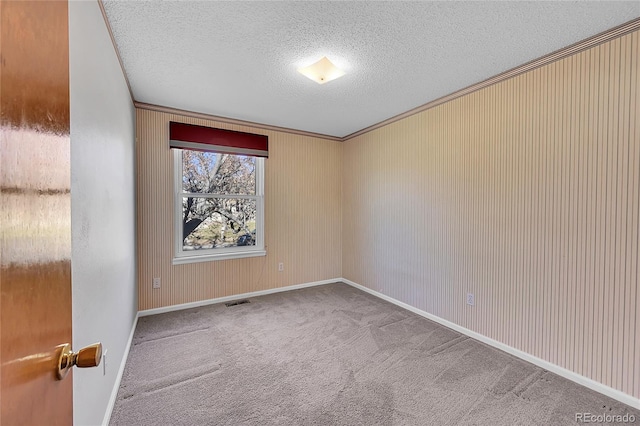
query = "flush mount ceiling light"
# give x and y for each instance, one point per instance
(321, 71)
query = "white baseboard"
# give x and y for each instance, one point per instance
(182, 306)
(116, 385)
(570, 375)
(560, 371)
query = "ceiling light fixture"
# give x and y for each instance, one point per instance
(321, 71)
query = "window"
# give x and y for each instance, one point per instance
(219, 192)
(219, 199)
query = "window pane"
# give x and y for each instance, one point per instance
(214, 173)
(210, 223)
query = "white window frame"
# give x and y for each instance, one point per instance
(207, 255)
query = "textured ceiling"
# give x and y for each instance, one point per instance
(239, 59)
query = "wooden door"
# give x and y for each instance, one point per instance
(35, 274)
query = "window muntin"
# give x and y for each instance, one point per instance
(219, 206)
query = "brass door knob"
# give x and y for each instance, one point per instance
(88, 356)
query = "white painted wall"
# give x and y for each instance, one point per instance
(102, 207)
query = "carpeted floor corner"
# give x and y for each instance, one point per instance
(333, 355)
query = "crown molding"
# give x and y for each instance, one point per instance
(578, 47)
(603, 37)
(185, 113)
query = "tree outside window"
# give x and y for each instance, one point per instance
(221, 204)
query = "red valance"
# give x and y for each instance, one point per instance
(200, 138)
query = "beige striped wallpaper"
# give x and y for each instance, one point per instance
(303, 218)
(525, 193)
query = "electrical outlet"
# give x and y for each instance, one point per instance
(104, 363)
(471, 299)
(280, 267)
(156, 283)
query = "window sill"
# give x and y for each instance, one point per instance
(213, 257)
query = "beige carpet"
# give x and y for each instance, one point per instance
(333, 355)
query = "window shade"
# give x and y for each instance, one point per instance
(200, 138)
